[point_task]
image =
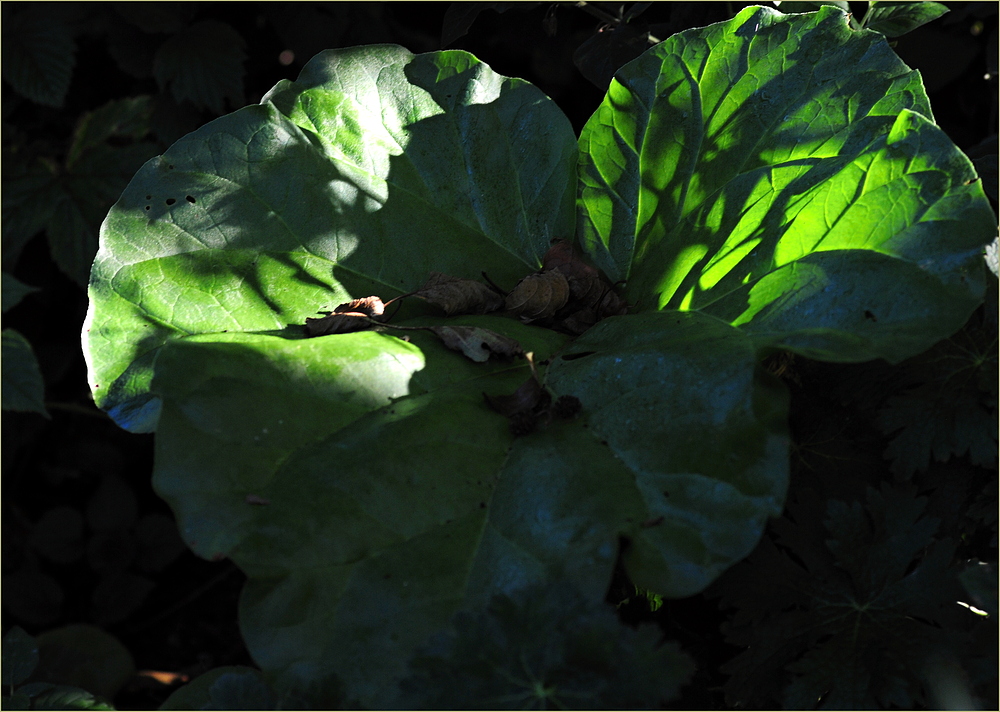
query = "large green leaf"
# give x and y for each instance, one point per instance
(779, 172)
(369, 492)
(373, 169)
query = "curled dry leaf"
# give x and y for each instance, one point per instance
(585, 283)
(586, 286)
(476, 342)
(459, 296)
(350, 316)
(369, 306)
(538, 296)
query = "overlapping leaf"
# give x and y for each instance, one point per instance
(778, 171)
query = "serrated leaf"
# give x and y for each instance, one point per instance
(14, 291)
(96, 173)
(38, 54)
(848, 622)
(23, 387)
(893, 19)
(929, 421)
(30, 193)
(203, 64)
(774, 171)
(20, 656)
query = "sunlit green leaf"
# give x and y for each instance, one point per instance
(777, 171)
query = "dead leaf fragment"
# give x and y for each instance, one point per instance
(585, 283)
(476, 342)
(337, 324)
(538, 296)
(347, 317)
(369, 306)
(459, 296)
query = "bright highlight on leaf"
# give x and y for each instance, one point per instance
(776, 171)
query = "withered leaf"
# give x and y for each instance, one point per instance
(347, 317)
(343, 323)
(538, 296)
(368, 306)
(476, 342)
(459, 296)
(585, 283)
(527, 398)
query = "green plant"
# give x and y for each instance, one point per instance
(769, 183)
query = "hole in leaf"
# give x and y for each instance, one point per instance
(170, 201)
(147, 207)
(189, 198)
(149, 197)
(870, 316)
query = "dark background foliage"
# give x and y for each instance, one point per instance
(850, 600)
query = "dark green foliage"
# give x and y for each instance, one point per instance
(545, 648)
(848, 608)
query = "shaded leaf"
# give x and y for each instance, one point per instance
(86, 657)
(459, 296)
(203, 64)
(20, 656)
(893, 19)
(459, 16)
(31, 191)
(14, 291)
(538, 296)
(545, 647)
(38, 54)
(23, 388)
(605, 52)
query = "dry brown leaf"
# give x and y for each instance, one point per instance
(459, 296)
(337, 324)
(368, 306)
(476, 342)
(585, 283)
(538, 296)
